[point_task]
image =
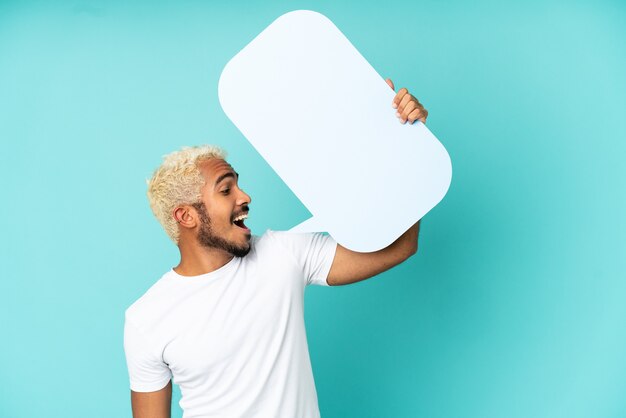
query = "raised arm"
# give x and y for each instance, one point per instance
(152, 404)
(350, 266)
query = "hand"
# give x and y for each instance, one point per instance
(409, 108)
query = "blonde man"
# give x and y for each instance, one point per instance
(227, 323)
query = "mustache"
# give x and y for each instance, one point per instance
(244, 210)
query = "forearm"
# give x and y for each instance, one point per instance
(350, 266)
(406, 245)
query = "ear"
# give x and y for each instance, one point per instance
(186, 216)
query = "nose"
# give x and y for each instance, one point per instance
(243, 198)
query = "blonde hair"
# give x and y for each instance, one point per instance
(178, 182)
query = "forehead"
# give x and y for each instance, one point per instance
(214, 168)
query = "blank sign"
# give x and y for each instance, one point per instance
(321, 116)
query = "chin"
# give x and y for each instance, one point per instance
(241, 251)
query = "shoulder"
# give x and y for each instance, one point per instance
(283, 241)
(269, 240)
(297, 245)
(288, 238)
(150, 303)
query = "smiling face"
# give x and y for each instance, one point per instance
(222, 209)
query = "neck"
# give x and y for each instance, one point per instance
(196, 259)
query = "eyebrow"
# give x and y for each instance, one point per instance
(232, 174)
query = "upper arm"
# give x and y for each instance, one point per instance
(351, 266)
(152, 404)
(311, 253)
(147, 370)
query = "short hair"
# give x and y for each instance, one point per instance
(178, 181)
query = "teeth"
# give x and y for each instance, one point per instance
(241, 217)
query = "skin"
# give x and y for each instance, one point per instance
(152, 404)
(222, 201)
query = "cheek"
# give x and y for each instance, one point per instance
(219, 215)
(226, 215)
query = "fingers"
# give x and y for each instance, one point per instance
(399, 96)
(406, 111)
(410, 109)
(406, 99)
(390, 83)
(418, 114)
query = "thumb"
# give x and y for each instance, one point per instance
(390, 83)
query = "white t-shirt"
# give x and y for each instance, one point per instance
(233, 339)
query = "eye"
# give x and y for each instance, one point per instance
(225, 191)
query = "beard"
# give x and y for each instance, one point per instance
(207, 238)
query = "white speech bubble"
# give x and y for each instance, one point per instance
(321, 116)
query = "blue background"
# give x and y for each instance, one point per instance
(514, 305)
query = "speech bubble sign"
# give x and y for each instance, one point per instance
(321, 116)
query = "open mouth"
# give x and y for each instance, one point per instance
(238, 221)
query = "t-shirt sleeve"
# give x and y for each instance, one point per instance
(147, 372)
(313, 252)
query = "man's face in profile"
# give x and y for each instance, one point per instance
(223, 209)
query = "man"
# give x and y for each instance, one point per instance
(227, 323)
